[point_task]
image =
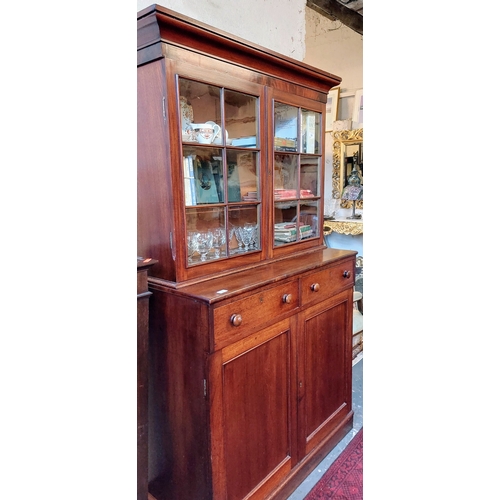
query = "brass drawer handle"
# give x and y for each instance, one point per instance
(315, 287)
(236, 319)
(347, 274)
(287, 298)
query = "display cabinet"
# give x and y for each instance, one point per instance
(251, 314)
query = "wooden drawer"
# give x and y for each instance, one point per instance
(238, 318)
(319, 286)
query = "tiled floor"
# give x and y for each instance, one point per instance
(357, 405)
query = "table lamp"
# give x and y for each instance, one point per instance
(354, 190)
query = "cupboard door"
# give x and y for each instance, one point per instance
(325, 370)
(252, 445)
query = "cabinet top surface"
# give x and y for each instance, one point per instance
(233, 284)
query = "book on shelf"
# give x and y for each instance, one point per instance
(250, 196)
(189, 181)
(287, 231)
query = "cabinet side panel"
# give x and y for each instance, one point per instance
(154, 201)
(178, 343)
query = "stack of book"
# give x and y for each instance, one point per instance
(287, 232)
(250, 196)
(281, 194)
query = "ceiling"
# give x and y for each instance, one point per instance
(348, 12)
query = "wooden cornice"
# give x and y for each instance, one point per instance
(157, 24)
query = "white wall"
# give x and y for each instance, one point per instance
(277, 25)
(332, 46)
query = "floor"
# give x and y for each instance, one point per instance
(357, 405)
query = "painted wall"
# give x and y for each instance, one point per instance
(278, 26)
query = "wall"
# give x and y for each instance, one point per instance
(278, 26)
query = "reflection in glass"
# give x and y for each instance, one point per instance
(309, 176)
(285, 176)
(310, 132)
(241, 111)
(285, 127)
(203, 178)
(199, 103)
(242, 176)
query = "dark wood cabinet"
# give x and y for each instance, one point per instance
(143, 294)
(251, 314)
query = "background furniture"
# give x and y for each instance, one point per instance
(357, 324)
(143, 295)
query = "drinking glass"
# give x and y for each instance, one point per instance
(192, 245)
(205, 243)
(219, 237)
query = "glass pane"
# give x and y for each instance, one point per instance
(310, 132)
(309, 171)
(308, 218)
(285, 225)
(285, 176)
(285, 127)
(206, 234)
(203, 179)
(240, 119)
(200, 111)
(244, 229)
(242, 176)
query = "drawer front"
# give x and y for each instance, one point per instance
(234, 320)
(323, 284)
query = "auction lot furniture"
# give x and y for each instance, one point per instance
(250, 314)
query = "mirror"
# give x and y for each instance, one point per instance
(346, 144)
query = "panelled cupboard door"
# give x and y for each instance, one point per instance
(252, 400)
(325, 370)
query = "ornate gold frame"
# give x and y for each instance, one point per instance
(340, 139)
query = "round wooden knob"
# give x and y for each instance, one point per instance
(287, 298)
(236, 319)
(347, 274)
(315, 287)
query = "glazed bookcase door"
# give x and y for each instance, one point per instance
(298, 167)
(221, 155)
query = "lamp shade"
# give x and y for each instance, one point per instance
(352, 193)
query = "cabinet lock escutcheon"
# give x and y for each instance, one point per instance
(236, 319)
(315, 287)
(287, 298)
(346, 274)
